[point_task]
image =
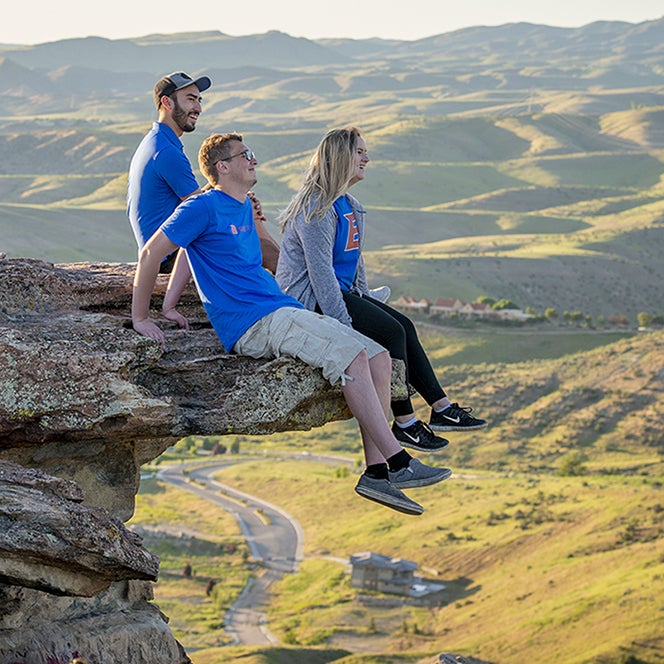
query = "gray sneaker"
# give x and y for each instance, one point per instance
(381, 491)
(417, 474)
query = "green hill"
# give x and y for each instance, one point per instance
(548, 211)
(521, 162)
(547, 538)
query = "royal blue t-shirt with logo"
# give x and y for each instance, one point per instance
(223, 249)
(160, 176)
(346, 250)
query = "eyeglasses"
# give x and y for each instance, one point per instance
(248, 155)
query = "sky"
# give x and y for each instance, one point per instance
(39, 21)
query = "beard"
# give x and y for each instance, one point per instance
(181, 118)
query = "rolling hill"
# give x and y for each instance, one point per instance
(523, 161)
(547, 538)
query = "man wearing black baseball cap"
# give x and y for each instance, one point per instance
(160, 174)
(177, 81)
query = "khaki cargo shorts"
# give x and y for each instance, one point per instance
(320, 341)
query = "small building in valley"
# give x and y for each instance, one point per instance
(372, 571)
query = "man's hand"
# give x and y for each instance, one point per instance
(150, 329)
(258, 208)
(147, 268)
(176, 317)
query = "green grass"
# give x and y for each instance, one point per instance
(272, 655)
(548, 534)
(481, 345)
(461, 181)
(63, 235)
(536, 564)
(609, 170)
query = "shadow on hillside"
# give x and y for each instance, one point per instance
(457, 591)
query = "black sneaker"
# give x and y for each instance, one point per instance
(419, 436)
(455, 418)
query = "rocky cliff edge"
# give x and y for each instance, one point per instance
(84, 402)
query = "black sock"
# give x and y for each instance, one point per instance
(377, 471)
(399, 460)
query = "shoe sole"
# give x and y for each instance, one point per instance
(426, 481)
(414, 446)
(378, 497)
(458, 427)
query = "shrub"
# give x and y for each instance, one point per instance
(644, 319)
(218, 448)
(504, 304)
(573, 465)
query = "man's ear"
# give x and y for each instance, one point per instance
(167, 102)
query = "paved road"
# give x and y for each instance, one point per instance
(274, 537)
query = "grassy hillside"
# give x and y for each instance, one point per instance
(521, 208)
(547, 538)
(531, 563)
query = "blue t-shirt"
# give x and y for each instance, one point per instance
(224, 252)
(346, 250)
(160, 176)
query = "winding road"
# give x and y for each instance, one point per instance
(274, 538)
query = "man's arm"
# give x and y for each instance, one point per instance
(200, 190)
(176, 284)
(269, 246)
(147, 269)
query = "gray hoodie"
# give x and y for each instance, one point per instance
(305, 269)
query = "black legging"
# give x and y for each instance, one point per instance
(397, 334)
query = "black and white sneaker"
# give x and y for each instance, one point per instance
(455, 418)
(419, 436)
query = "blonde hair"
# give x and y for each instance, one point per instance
(215, 148)
(327, 177)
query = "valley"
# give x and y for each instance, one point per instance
(518, 162)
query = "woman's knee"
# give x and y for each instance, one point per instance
(382, 360)
(408, 326)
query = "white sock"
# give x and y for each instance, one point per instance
(405, 425)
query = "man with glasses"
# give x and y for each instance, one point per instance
(253, 317)
(161, 176)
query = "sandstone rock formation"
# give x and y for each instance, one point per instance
(84, 402)
(49, 541)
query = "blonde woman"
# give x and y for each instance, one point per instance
(321, 265)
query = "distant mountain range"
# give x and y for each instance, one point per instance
(612, 54)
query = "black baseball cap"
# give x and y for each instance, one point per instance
(176, 81)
